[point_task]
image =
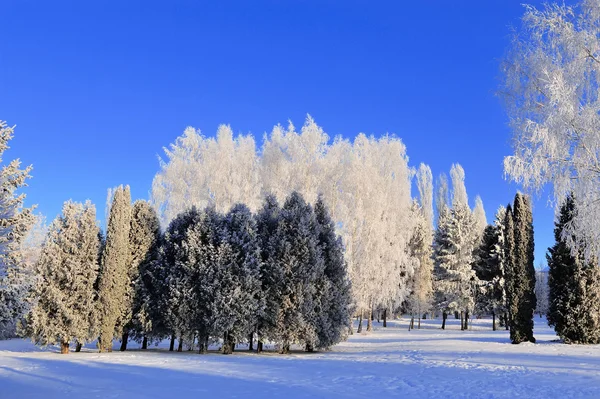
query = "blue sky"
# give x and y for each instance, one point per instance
(96, 89)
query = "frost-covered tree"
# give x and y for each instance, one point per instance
(333, 287)
(271, 275)
(144, 241)
(201, 171)
(479, 216)
(541, 291)
(551, 85)
(296, 250)
(15, 222)
(454, 245)
(114, 276)
(574, 297)
(239, 297)
(64, 310)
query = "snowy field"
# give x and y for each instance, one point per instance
(426, 363)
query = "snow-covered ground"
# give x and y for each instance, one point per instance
(426, 363)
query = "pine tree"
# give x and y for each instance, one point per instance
(333, 288)
(114, 278)
(271, 275)
(15, 222)
(239, 297)
(521, 271)
(297, 252)
(144, 241)
(67, 271)
(574, 300)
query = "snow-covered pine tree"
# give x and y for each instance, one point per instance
(488, 267)
(333, 287)
(15, 222)
(271, 273)
(454, 245)
(574, 300)
(144, 239)
(296, 249)
(64, 310)
(239, 297)
(523, 286)
(114, 278)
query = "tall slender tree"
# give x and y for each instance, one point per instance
(114, 277)
(67, 270)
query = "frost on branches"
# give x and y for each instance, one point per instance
(551, 88)
(15, 222)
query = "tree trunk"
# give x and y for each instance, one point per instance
(202, 344)
(309, 347)
(180, 346)
(419, 323)
(466, 320)
(462, 323)
(378, 314)
(227, 344)
(259, 346)
(411, 324)
(506, 322)
(251, 342)
(78, 346)
(493, 321)
(172, 344)
(145, 343)
(360, 318)
(64, 348)
(285, 348)
(370, 320)
(385, 317)
(444, 317)
(456, 316)
(124, 339)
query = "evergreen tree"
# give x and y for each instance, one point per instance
(144, 240)
(114, 277)
(521, 288)
(271, 275)
(15, 222)
(574, 300)
(238, 295)
(489, 269)
(67, 271)
(333, 288)
(297, 252)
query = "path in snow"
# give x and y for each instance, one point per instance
(427, 363)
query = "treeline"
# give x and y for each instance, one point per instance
(276, 276)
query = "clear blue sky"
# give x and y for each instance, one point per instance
(96, 89)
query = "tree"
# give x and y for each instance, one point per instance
(520, 270)
(114, 277)
(64, 309)
(334, 296)
(550, 85)
(15, 222)
(454, 245)
(238, 294)
(297, 253)
(541, 291)
(140, 296)
(574, 300)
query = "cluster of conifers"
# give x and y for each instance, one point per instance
(276, 276)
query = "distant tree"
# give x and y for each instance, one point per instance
(574, 297)
(15, 278)
(114, 273)
(64, 309)
(541, 291)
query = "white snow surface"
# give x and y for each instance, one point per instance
(389, 362)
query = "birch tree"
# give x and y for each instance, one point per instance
(550, 86)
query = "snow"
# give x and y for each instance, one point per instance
(388, 362)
